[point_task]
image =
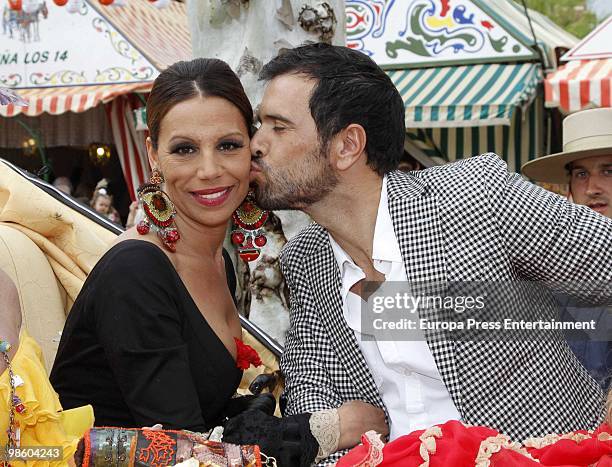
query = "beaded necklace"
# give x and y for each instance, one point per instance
(15, 404)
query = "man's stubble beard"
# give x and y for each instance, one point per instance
(297, 186)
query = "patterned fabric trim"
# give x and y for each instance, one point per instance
(547, 440)
(428, 443)
(375, 449)
(325, 427)
(494, 444)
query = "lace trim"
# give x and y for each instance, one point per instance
(375, 448)
(325, 427)
(547, 440)
(603, 436)
(428, 443)
(494, 444)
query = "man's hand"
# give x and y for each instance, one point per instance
(357, 417)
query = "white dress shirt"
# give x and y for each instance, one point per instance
(405, 372)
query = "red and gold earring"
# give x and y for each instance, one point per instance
(248, 234)
(159, 211)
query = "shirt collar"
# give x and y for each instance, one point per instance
(342, 257)
(386, 246)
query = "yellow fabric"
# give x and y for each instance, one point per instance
(43, 423)
(77, 421)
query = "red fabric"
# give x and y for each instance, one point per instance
(567, 452)
(509, 458)
(459, 446)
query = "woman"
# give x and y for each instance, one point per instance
(30, 412)
(152, 337)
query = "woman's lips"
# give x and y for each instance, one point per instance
(212, 197)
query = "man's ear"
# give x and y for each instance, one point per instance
(349, 146)
(151, 153)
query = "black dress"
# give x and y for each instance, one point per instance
(136, 347)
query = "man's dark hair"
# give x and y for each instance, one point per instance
(350, 88)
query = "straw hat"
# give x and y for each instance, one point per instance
(585, 134)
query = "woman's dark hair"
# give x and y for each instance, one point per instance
(199, 77)
(350, 88)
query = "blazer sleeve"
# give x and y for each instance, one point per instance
(308, 386)
(550, 239)
(138, 323)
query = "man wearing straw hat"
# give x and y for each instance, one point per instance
(586, 160)
(586, 165)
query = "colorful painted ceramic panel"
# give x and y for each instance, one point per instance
(418, 32)
(45, 45)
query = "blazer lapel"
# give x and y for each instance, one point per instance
(325, 283)
(416, 220)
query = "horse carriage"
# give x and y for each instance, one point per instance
(23, 24)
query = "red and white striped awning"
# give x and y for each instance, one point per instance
(580, 84)
(56, 101)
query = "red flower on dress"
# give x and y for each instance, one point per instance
(246, 355)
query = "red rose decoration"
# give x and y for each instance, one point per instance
(246, 355)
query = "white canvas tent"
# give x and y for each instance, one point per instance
(585, 81)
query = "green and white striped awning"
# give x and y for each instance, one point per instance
(518, 143)
(466, 96)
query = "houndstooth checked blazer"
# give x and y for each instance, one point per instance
(467, 221)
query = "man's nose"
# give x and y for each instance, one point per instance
(594, 186)
(257, 146)
(257, 155)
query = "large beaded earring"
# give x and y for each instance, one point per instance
(248, 234)
(159, 211)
